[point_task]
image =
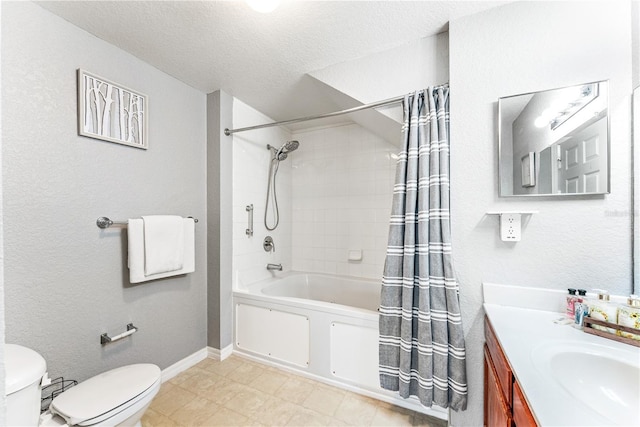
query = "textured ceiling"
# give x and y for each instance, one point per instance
(261, 59)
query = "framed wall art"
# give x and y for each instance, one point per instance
(111, 112)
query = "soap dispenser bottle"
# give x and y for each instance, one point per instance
(602, 309)
(629, 315)
(571, 303)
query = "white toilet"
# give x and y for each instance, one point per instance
(114, 398)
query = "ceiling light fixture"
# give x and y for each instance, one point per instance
(584, 96)
(573, 100)
(263, 6)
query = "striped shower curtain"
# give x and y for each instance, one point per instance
(421, 347)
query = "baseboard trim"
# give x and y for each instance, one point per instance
(214, 353)
(183, 365)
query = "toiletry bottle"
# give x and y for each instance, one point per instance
(581, 310)
(629, 315)
(602, 309)
(582, 295)
(571, 301)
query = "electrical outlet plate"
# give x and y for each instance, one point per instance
(510, 227)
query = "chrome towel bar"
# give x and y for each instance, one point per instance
(104, 222)
(105, 338)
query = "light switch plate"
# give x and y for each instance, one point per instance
(510, 227)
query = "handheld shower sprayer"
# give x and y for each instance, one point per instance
(281, 153)
(277, 155)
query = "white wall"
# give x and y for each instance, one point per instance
(392, 72)
(2, 364)
(580, 242)
(66, 281)
(250, 174)
(383, 75)
(342, 190)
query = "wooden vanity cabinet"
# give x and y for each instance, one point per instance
(496, 411)
(522, 416)
(504, 402)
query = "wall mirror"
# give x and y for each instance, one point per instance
(555, 142)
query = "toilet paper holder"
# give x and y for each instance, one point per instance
(105, 338)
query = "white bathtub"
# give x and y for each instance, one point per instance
(321, 326)
(357, 293)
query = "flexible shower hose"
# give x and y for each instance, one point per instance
(271, 188)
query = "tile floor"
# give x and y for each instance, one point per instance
(241, 392)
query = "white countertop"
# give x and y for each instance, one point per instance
(523, 333)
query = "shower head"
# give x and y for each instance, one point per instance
(290, 146)
(287, 147)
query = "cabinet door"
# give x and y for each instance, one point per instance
(522, 416)
(503, 371)
(496, 411)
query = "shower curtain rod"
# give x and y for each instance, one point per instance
(389, 101)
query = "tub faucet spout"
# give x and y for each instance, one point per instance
(277, 267)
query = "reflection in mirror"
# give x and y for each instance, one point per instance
(555, 142)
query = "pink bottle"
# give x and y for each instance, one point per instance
(572, 298)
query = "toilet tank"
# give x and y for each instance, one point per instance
(24, 371)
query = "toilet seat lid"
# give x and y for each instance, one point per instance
(111, 391)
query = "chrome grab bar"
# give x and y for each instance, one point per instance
(105, 338)
(249, 209)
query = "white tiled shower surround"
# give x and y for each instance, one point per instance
(334, 194)
(342, 188)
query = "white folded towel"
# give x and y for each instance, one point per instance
(136, 244)
(163, 243)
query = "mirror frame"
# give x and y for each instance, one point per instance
(558, 195)
(635, 139)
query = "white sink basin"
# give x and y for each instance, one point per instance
(604, 379)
